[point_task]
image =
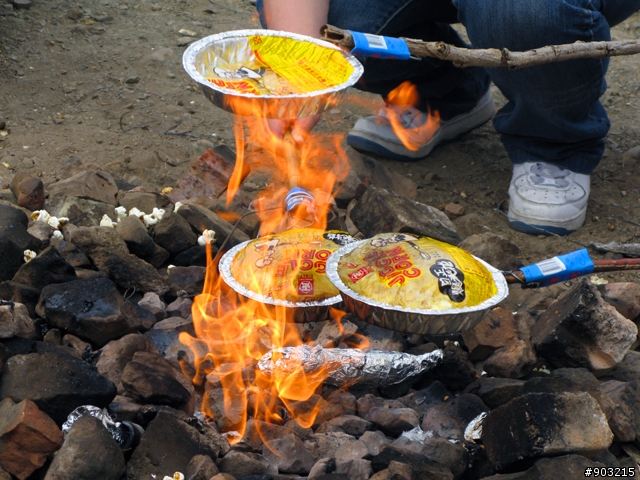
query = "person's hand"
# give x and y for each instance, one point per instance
(299, 127)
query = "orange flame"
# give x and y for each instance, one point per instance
(398, 101)
(232, 333)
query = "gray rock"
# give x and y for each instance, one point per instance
(201, 467)
(149, 378)
(73, 255)
(355, 469)
(14, 240)
(450, 419)
(425, 468)
(421, 400)
(496, 391)
(325, 445)
(144, 201)
(400, 471)
(174, 234)
(623, 419)
(374, 441)
(367, 171)
(369, 401)
(351, 424)
(56, 382)
(201, 218)
(170, 442)
(571, 466)
(452, 455)
(352, 451)
(73, 342)
(28, 436)
(257, 431)
(186, 280)
(207, 177)
(393, 421)
(91, 309)
(288, 454)
(47, 268)
(135, 235)
(497, 329)
(115, 355)
(382, 211)
(571, 380)
(239, 464)
(29, 191)
(111, 255)
(180, 307)
(581, 330)
(16, 322)
(493, 249)
(513, 361)
(89, 184)
(154, 304)
(42, 231)
(194, 257)
(105, 462)
(384, 339)
(456, 371)
(543, 424)
(159, 257)
(83, 212)
(624, 297)
(20, 294)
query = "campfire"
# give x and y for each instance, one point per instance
(120, 340)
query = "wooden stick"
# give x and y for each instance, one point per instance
(493, 57)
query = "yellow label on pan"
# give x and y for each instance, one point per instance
(420, 273)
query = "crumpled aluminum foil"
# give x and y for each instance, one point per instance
(377, 368)
(473, 431)
(120, 433)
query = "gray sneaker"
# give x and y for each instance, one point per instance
(420, 133)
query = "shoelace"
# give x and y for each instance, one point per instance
(542, 172)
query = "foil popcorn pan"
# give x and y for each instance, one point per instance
(270, 73)
(422, 321)
(302, 312)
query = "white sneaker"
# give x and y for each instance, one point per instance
(420, 131)
(546, 199)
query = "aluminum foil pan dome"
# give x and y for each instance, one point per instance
(267, 262)
(238, 71)
(425, 321)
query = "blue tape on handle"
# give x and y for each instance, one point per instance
(559, 269)
(380, 47)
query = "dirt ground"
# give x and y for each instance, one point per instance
(101, 81)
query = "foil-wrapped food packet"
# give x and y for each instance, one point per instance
(287, 268)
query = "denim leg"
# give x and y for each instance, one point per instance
(440, 85)
(554, 113)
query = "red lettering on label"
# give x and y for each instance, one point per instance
(359, 274)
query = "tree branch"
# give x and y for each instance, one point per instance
(493, 57)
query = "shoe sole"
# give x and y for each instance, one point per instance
(532, 226)
(368, 142)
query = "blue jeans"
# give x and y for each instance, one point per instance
(553, 112)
